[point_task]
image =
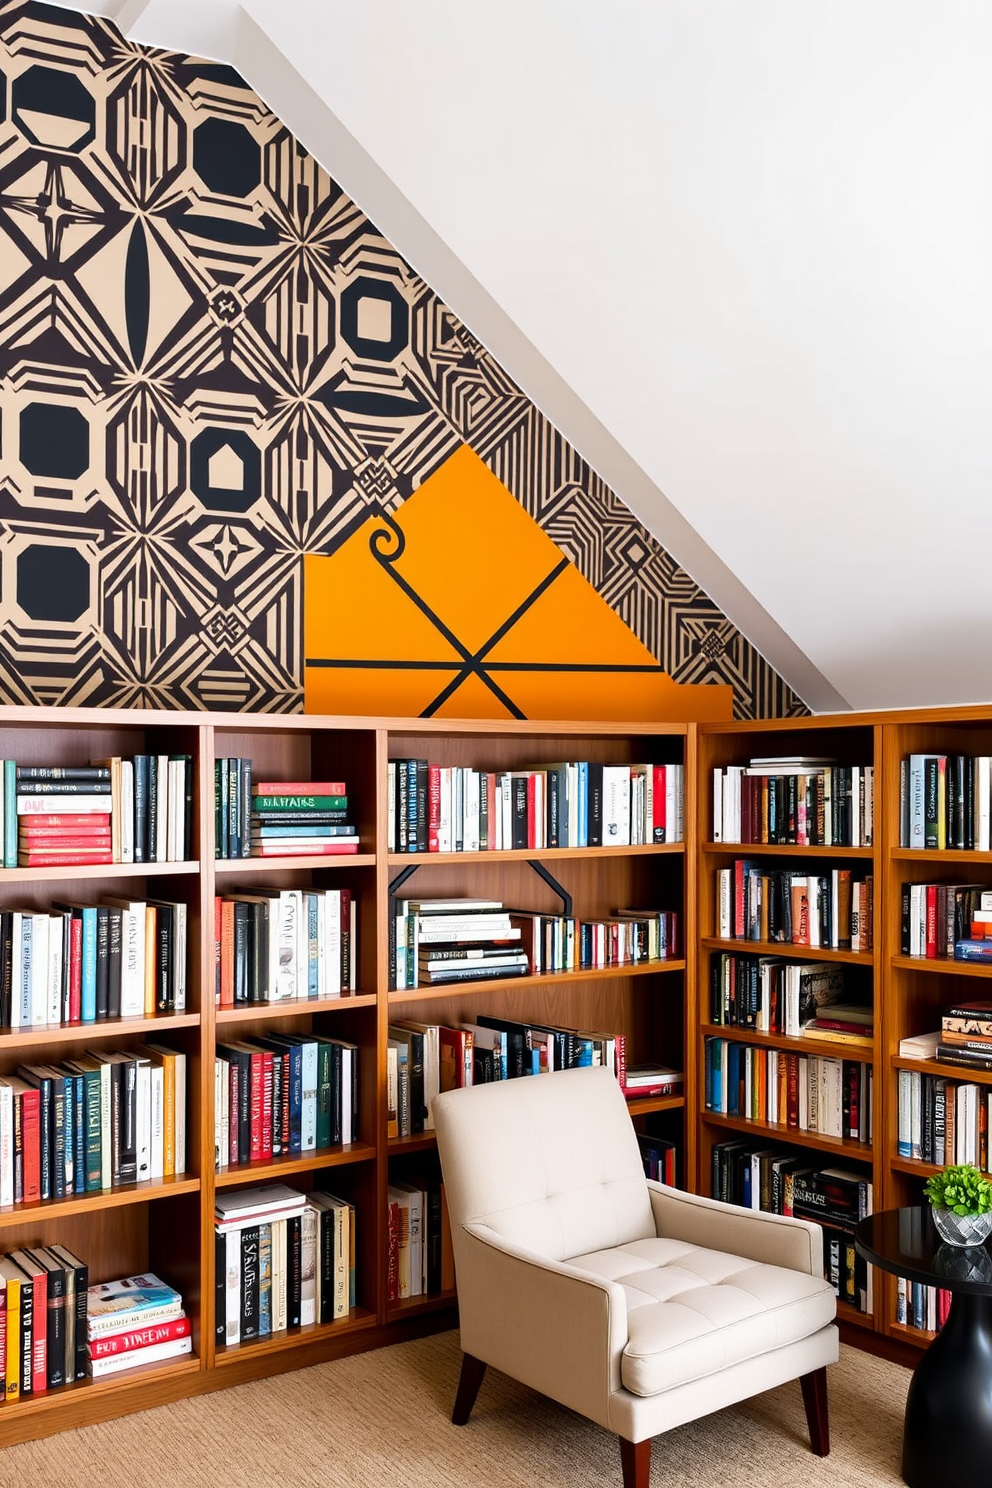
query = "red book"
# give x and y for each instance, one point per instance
(620, 1058)
(75, 968)
(227, 952)
(257, 1079)
(299, 788)
(30, 1103)
(65, 837)
(932, 906)
(79, 856)
(456, 1051)
(433, 807)
(39, 1325)
(531, 811)
(72, 819)
(792, 1090)
(123, 1343)
(659, 824)
(266, 1134)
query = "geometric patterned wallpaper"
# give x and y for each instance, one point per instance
(211, 364)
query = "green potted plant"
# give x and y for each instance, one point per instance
(961, 1202)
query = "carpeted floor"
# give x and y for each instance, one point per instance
(382, 1418)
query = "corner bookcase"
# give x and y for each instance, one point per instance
(167, 1226)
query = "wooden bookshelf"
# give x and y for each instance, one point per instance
(167, 1226)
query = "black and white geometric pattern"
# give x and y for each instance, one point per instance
(211, 363)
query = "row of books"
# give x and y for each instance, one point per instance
(84, 963)
(134, 1321)
(425, 1058)
(946, 919)
(284, 1259)
(283, 1094)
(794, 998)
(832, 910)
(118, 810)
(104, 1118)
(658, 1157)
(43, 1317)
(923, 1307)
(942, 1121)
(278, 818)
(945, 801)
(783, 1182)
(802, 802)
(280, 945)
(811, 1092)
(575, 803)
(418, 1237)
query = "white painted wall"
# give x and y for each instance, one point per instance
(738, 249)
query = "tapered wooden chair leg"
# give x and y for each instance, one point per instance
(635, 1459)
(469, 1381)
(814, 1388)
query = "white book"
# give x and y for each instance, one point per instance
(444, 809)
(616, 805)
(127, 811)
(813, 900)
(170, 1348)
(855, 806)
(6, 1144)
(143, 1115)
(717, 805)
(916, 1114)
(308, 1105)
(106, 1124)
(288, 920)
(64, 805)
(132, 956)
(505, 784)
(917, 808)
(156, 1162)
(232, 1278)
(471, 827)
(53, 1013)
(308, 1266)
(39, 971)
(348, 1057)
(181, 954)
(983, 784)
(279, 1276)
(391, 806)
(332, 943)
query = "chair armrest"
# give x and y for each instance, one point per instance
(552, 1326)
(774, 1239)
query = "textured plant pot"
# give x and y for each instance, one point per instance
(962, 1229)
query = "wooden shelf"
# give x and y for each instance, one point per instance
(304, 1162)
(940, 855)
(816, 1140)
(294, 1007)
(96, 871)
(806, 1044)
(106, 1028)
(487, 985)
(961, 1072)
(791, 850)
(357, 1321)
(124, 1195)
(644, 1105)
(224, 866)
(524, 855)
(411, 1306)
(786, 950)
(944, 964)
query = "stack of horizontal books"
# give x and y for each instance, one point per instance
(294, 818)
(137, 1320)
(439, 941)
(63, 815)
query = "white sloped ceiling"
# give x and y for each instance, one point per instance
(739, 250)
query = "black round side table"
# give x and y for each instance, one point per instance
(947, 1436)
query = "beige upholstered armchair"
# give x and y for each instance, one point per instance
(637, 1305)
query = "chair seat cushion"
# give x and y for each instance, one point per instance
(692, 1312)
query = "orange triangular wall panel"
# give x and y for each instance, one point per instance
(460, 606)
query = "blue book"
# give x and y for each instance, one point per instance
(87, 1004)
(718, 1074)
(287, 1043)
(10, 813)
(78, 1133)
(733, 1079)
